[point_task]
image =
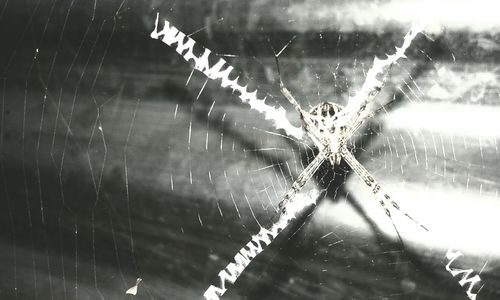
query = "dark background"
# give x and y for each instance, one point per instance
(106, 175)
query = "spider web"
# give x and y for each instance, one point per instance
(119, 162)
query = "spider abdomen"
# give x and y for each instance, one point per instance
(323, 116)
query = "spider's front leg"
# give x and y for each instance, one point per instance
(288, 95)
(382, 196)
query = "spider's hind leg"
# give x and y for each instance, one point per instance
(395, 205)
(384, 199)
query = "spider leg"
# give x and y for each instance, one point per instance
(383, 197)
(314, 134)
(303, 178)
(288, 95)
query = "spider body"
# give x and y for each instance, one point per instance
(324, 115)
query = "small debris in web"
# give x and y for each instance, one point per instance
(133, 290)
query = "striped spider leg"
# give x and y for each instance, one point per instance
(304, 177)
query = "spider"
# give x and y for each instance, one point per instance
(326, 127)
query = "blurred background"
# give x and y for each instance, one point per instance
(118, 162)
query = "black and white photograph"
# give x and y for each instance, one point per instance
(250, 149)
